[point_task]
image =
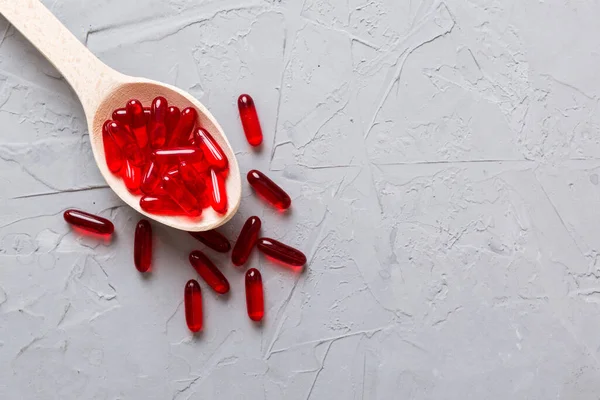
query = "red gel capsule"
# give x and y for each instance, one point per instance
(126, 141)
(192, 299)
(246, 241)
(177, 190)
(250, 120)
(195, 182)
(184, 127)
(255, 302)
(197, 161)
(171, 120)
(112, 152)
(137, 118)
(120, 132)
(176, 154)
(218, 200)
(147, 113)
(157, 127)
(213, 239)
(142, 248)
(212, 151)
(160, 205)
(121, 115)
(151, 178)
(269, 190)
(209, 272)
(132, 177)
(89, 222)
(281, 252)
(188, 172)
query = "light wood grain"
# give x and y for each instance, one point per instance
(101, 89)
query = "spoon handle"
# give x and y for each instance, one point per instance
(90, 78)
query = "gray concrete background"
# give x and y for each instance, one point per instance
(443, 160)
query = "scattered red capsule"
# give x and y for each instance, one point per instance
(89, 222)
(218, 200)
(213, 239)
(157, 126)
(254, 295)
(151, 178)
(112, 152)
(246, 241)
(137, 118)
(162, 205)
(184, 127)
(175, 154)
(281, 252)
(142, 248)
(192, 300)
(172, 119)
(209, 272)
(132, 177)
(250, 120)
(212, 151)
(181, 195)
(120, 115)
(269, 190)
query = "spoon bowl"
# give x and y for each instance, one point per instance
(101, 90)
(145, 90)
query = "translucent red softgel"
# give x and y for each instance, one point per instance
(112, 152)
(145, 143)
(89, 222)
(250, 121)
(157, 128)
(162, 205)
(142, 247)
(192, 299)
(246, 241)
(269, 190)
(209, 272)
(218, 200)
(255, 302)
(281, 252)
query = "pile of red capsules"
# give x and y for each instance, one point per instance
(180, 170)
(160, 152)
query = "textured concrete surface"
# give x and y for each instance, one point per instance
(443, 159)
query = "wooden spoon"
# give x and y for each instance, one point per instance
(101, 89)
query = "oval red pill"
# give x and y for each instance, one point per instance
(209, 272)
(246, 241)
(250, 121)
(142, 247)
(192, 299)
(89, 222)
(255, 302)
